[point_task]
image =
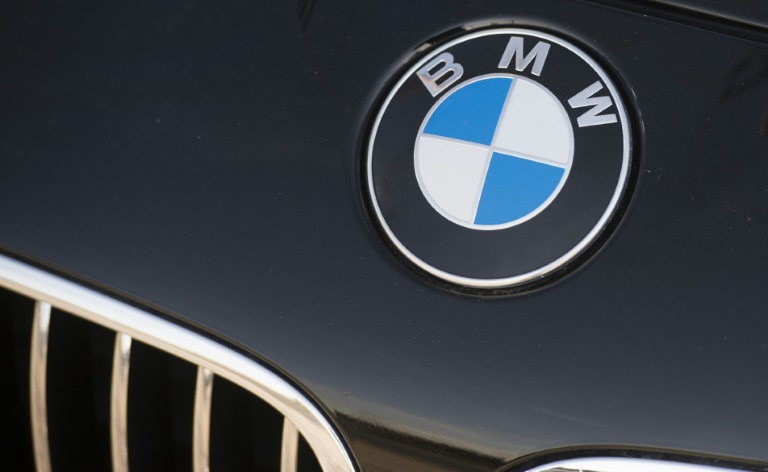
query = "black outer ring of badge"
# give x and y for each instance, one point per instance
(425, 219)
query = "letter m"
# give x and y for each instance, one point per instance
(537, 55)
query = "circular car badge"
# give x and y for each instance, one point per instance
(499, 158)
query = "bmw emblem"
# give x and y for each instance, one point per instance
(499, 158)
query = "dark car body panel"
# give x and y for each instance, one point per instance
(204, 160)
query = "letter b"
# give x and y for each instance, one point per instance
(438, 68)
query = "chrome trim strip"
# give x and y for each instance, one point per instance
(118, 407)
(201, 430)
(624, 464)
(37, 380)
(289, 450)
(190, 346)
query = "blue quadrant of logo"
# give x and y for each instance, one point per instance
(471, 112)
(514, 187)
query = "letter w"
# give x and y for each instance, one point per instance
(585, 99)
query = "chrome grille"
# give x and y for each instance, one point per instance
(302, 421)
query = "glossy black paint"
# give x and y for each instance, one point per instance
(204, 160)
(742, 12)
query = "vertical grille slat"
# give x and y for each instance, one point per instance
(119, 402)
(289, 451)
(202, 420)
(37, 385)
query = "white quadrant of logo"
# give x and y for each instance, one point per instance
(494, 152)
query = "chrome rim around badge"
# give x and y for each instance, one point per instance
(499, 158)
